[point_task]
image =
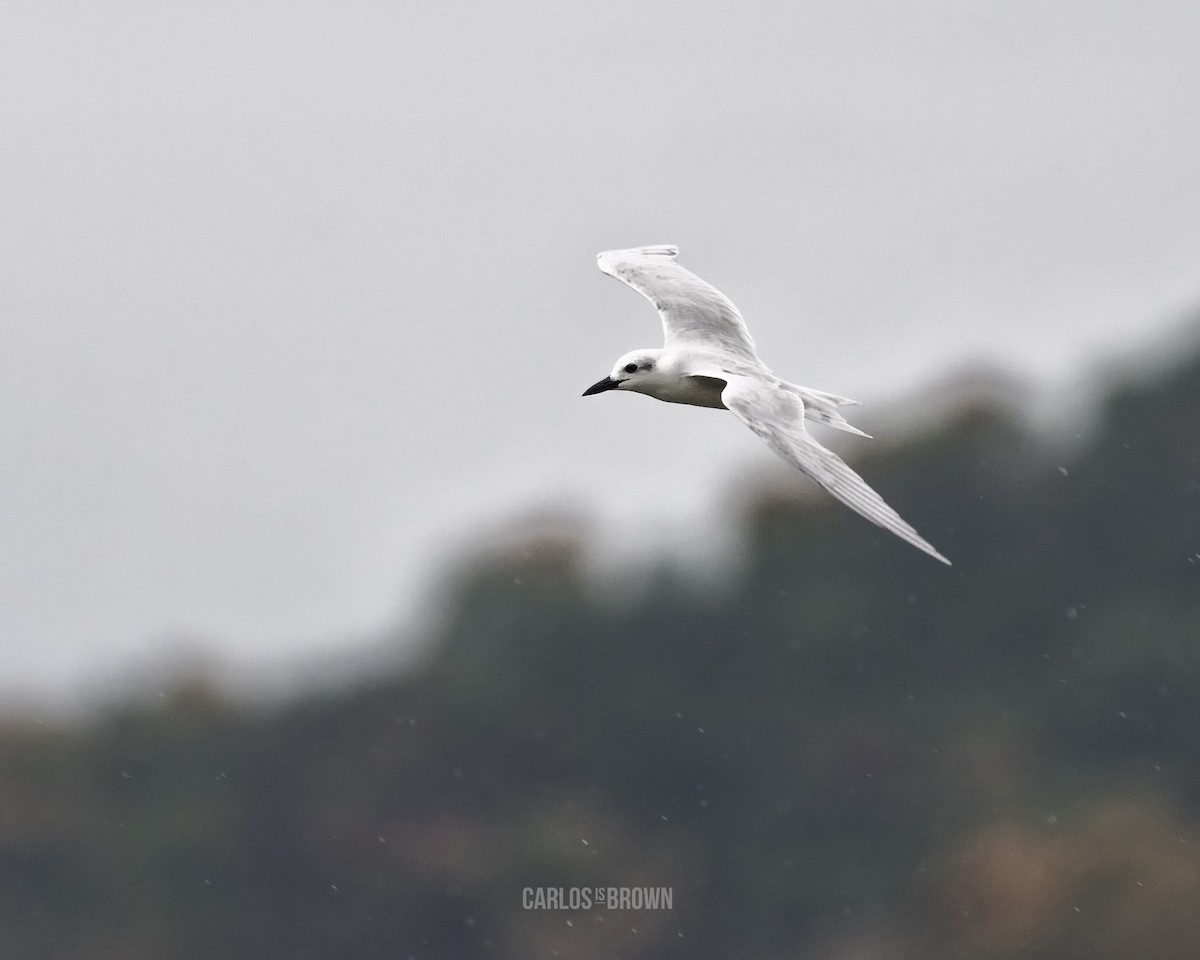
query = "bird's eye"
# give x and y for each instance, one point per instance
(631, 368)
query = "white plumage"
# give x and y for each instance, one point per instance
(709, 360)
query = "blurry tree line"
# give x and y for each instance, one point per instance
(845, 751)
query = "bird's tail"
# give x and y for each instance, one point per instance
(822, 407)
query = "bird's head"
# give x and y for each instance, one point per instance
(636, 371)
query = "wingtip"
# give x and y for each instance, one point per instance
(937, 556)
(660, 250)
(906, 533)
(668, 250)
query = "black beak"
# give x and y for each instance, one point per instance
(608, 383)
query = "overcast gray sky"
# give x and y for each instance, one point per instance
(296, 296)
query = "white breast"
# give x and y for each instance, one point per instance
(695, 391)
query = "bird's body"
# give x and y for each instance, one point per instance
(709, 360)
(674, 376)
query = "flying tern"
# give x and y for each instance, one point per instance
(709, 360)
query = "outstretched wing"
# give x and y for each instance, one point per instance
(777, 416)
(692, 311)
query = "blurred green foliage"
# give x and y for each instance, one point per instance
(845, 750)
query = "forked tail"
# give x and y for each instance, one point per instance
(822, 407)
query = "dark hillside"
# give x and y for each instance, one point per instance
(851, 752)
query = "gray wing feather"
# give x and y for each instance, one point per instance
(692, 311)
(777, 416)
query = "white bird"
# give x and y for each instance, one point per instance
(709, 360)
